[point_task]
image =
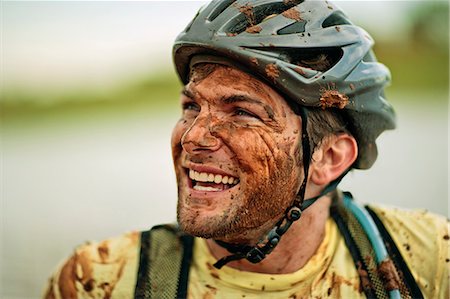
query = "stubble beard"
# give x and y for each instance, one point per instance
(213, 227)
(246, 221)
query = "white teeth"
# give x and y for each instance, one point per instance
(203, 177)
(209, 177)
(225, 180)
(202, 188)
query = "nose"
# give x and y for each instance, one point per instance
(198, 137)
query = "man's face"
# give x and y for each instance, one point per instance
(236, 152)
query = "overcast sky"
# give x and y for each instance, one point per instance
(61, 44)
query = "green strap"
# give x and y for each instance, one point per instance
(142, 289)
(164, 264)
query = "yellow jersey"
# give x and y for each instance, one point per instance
(109, 269)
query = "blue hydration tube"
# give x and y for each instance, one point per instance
(372, 233)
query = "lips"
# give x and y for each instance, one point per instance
(210, 181)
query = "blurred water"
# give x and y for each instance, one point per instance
(65, 184)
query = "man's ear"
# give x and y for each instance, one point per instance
(335, 155)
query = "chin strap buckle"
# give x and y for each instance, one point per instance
(294, 214)
(255, 255)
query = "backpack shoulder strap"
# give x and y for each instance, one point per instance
(375, 279)
(165, 257)
(399, 262)
(360, 249)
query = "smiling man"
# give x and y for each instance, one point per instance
(236, 153)
(281, 100)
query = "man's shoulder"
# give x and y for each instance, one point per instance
(101, 268)
(412, 221)
(414, 230)
(110, 249)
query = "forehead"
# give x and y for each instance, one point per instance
(215, 80)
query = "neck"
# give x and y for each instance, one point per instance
(296, 247)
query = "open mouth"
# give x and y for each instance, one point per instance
(210, 182)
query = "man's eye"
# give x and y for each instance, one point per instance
(243, 112)
(191, 106)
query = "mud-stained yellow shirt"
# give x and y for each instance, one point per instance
(98, 270)
(322, 276)
(109, 269)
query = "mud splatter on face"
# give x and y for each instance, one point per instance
(333, 99)
(269, 111)
(256, 139)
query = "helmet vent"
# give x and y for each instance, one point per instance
(318, 59)
(336, 18)
(251, 16)
(297, 27)
(219, 9)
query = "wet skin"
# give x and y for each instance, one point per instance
(235, 125)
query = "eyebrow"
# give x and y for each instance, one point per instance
(226, 99)
(240, 98)
(236, 99)
(244, 98)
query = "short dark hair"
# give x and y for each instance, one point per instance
(323, 123)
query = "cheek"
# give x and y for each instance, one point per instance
(269, 161)
(258, 150)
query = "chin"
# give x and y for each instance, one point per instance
(232, 226)
(203, 223)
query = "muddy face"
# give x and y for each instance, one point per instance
(236, 157)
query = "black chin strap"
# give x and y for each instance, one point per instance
(257, 253)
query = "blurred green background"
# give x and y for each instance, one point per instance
(89, 97)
